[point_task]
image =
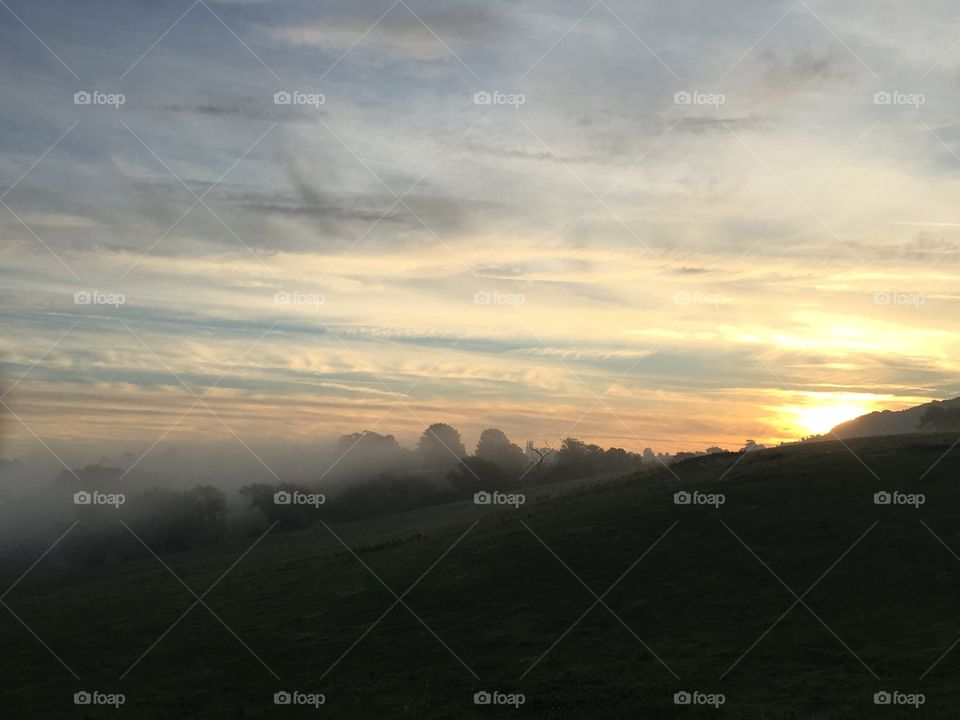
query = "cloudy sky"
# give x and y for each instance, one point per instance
(643, 224)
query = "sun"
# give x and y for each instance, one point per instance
(822, 414)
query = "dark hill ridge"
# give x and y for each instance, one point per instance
(888, 422)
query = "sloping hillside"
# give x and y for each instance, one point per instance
(888, 422)
(781, 586)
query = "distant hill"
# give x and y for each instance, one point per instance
(888, 422)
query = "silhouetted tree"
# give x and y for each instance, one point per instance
(100, 477)
(476, 473)
(577, 459)
(287, 516)
(369, 454)
(940, 419)
(159, 521)
(495, 447)
(538, 455)
(170, 521)
(209, 506)
(439, 449)
(388, 494)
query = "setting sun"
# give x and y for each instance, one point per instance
(824, 413)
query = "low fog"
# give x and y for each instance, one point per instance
(173, 498)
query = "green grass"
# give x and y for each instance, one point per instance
(500, 599)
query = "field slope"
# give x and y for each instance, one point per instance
(798, 597)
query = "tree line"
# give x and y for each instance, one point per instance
(373, 476)
(438, 470)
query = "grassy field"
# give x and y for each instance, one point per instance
(798, 597)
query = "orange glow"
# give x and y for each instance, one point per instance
(824, 412)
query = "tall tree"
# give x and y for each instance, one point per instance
(495, 447)
(440, 449)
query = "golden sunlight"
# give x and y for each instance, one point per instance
(824, 411)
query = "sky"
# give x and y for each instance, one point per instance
(667, 225)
